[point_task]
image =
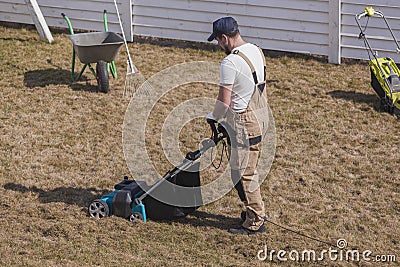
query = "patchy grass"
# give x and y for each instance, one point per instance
(335, 175)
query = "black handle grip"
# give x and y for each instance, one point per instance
(206, 144)
(193, 155)
(214, 130)
(221, 129)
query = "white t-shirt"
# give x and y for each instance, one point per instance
(235, 71)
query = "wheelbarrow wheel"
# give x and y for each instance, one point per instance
(102, 77)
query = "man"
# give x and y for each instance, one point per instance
(242, 104)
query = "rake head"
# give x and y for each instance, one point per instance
(135, 80)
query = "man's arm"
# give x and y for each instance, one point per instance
(223, 101)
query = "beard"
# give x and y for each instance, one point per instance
(227, 50)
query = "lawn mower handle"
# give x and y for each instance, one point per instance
(369, 12)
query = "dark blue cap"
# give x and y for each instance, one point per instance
(223, 26)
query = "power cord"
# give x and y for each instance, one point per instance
(222, 153)
(301, 234)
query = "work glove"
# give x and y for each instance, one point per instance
(210, 118)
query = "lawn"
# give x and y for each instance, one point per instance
(335, 174)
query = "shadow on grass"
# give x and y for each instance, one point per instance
(356, 97)
(68, 195)
(43, 78)
(205, 219)
(12, 39)
(84, 87)
(82, 197)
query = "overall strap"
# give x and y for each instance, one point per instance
(253, 70)
(261, 85)
(264, 62)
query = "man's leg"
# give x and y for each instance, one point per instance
(245, 162)
(255, 210)
(235, 173)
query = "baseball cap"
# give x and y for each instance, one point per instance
(223, 26)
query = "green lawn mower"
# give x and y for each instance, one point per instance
(384, 71)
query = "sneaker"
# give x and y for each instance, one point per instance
(243, 216)
(245, 231)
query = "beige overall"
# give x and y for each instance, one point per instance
(246, 131)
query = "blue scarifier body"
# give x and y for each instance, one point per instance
(139, 208)
(108, 199)
(135, 208)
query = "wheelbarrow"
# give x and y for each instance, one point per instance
(95, 47)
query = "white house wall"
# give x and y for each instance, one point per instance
(286, 25)
(303, 26)
(84, 14)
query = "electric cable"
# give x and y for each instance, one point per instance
(300, 234)
(224, 150)
(222, 153)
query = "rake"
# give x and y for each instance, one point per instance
(134, 78)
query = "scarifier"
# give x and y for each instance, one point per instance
(134, 200)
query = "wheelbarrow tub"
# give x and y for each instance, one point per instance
(95, 46)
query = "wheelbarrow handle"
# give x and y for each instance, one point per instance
(71, 30)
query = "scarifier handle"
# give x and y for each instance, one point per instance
(393, 78)
(218, 134)
(194, 155)
(214, 134)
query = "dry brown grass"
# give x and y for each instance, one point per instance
(335, 175)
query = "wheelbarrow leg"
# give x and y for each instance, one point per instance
(73, 77)
(80, 73)
(91, 69)
(112, 69)
(73, 65)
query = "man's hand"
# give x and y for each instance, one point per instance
(223, 101)
(210, 118)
